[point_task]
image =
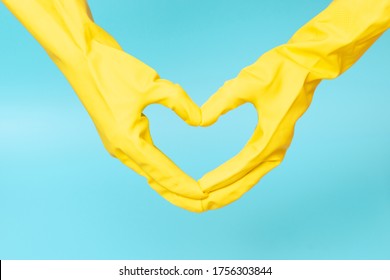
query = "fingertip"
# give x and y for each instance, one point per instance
(208, 114)
(193, 114)
(187, 109)
(221, 102)
(173, 96)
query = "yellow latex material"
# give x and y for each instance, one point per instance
(280, 85)
(115, 88)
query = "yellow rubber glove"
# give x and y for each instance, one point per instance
(280, 85)
(114, 87)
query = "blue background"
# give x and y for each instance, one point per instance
(63, 197)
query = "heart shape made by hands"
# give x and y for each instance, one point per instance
(115, 88)
(265, 149)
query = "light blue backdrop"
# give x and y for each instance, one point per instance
(63, 197)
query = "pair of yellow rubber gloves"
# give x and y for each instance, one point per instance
(115, 88)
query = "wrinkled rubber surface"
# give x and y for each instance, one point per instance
(281, 84)
(115, 87)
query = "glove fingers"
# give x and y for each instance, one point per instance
(277, 116)
(193, 205)
(230, 193)
(224, 100)
(231, 95)
(235, 168)
(175, 98)
(220, 197)
(156, 165)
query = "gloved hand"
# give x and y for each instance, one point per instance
(280, 85)
(114, 87)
